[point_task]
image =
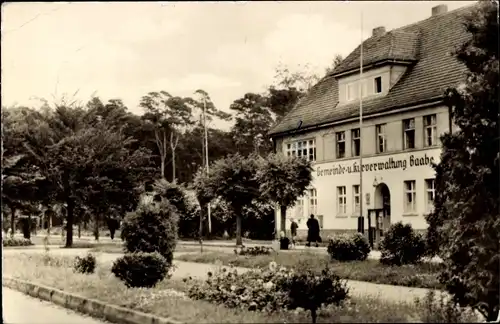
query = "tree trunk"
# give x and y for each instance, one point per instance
(12, 221)
(493, 315)
(283, 218)
(239, 241)
(80, 229)
(313, 315)
(162, 166)
(96, 228)
(28, 232)
(69, 223)
(173, 148)
(200, 231)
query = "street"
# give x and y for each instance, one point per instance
(18, 308)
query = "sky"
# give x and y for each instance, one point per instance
(125, 50)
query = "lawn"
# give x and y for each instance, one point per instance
(423, 275)
(167, 300)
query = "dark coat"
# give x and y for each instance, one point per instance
(313, 230)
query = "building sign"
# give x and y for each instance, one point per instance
(388, 164)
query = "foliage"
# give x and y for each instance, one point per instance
(257, 250)
(271, 289)
(87, 264)
(466, 222)
(401, 245)
(233, 180)
(440, 309)
(283, 179)
(11, 241)
(349, 247)
(141, 269)
(152, 228)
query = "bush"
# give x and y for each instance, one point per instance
(152, 228)
(258, 250)
(401, 245)
(10, 241)
(86, 264)
(443, 310)
(349, 248)
(141, 269)
(271, 289)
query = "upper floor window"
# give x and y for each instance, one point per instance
(381, 141)
(352, 91)
(409, 133)
(369, 86)
(430, 130)
(306, 149)
(340, 136)
(356, 142)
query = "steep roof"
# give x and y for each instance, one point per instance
(428, 43)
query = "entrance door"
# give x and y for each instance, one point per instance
(383, 201)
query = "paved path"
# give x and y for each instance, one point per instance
(199, 271)
(19, 308)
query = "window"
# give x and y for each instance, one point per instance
(355, 199)
(341, 201)
(430, 190)
(410, 197)
(352, 91)
(356, 142)
(377, 85)
(380, 131)
(313, 202)
(306, 149)
(340, 144)
(299, 210)
(320, 220)
(409, 133)
(430, 130)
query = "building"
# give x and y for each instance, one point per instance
(405, 73)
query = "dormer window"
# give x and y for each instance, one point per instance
(377, 85)
(369, 87)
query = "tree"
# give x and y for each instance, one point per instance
(336, 61)
(75, 154)
(233, 180)
(465, 226)
(253, 121)
(284, 179)
(167, 115)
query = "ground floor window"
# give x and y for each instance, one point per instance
(341, 200)
(430, 190)
(410, 205)
(355, 199)
(313, 202)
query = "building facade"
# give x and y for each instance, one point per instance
(406, 72)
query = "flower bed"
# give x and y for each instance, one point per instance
(423, 275)
(168, 298)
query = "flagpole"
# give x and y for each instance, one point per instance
(206, 155)
(361, 124)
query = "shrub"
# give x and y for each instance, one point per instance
(271, 289)
(86, 264)
(141, 269)
(258, 250)
(152, 228)
(11, 241)
(443, 310)
(401, 245)
(349, 247)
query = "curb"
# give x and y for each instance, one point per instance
(84, 305)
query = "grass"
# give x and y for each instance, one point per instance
(103, 286)
(424, 275)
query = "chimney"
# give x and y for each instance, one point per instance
(378, 31)
(441, 9)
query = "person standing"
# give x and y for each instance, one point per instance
(293, 230)
(313, 231)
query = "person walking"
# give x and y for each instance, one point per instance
(293, 230)
(312, 231)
